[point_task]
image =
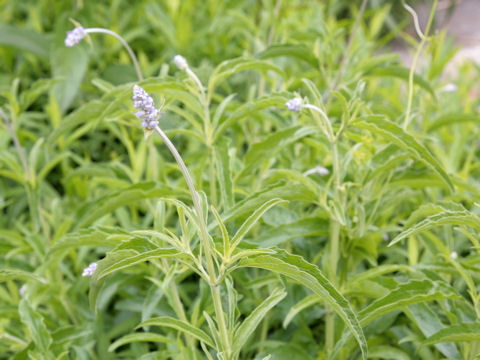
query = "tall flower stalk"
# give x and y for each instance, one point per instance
(323, 122)
(149, 116)
(76, 35)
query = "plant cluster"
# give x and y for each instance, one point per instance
(246, 180)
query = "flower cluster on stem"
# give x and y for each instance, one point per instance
(147, 111)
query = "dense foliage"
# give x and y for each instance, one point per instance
(346, 229)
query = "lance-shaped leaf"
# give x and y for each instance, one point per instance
(444, 218)
(458, 332)
(122, 259)
(412, 292)
(35, 324)
(394, 133)
(252, 220)
(137, 337)
(16, 274)
(299, 270)
(248, 326)
(187, 328)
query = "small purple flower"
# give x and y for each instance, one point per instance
(75, 36)
(22, 290)
(146, 106)
(90, 269)
(180, 62)
(294, 104)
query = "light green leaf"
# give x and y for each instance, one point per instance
(453, 119)
(248, 326)
(267, 148)
(87, 113)
(297, 269)
(224, 172)
(394, 133)
(15, 274)
(70, 65)
(137, 337)
(298, 51)
(35, 324)
(429, 323)
(455, 333)
(95, 209)
(295, 230)
(385, 352)
(401, 73)
(247, 110)
(25, 40)
(179, 325)
(301, 305)
(252, 220)
(230, 67)
(444, 218)
(412, 292)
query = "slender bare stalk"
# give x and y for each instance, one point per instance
(125, 45)
(215, 289)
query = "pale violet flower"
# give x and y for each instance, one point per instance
(22, 290)
(75, 36)
(294, 104)
(90, 269)
(385, 237)
(147, 112)
(320, 170)
(180, 62)
(448, 88)
(454, 255)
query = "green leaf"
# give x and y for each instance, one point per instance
(429, 323)
(35, 90)
(298, 51)
(15, 274)
(444, 218)
(300, 306)
(248, 326)
(401, 73)
(70, 65)
(252, 220)
(386, 352)
(291, 192)
(120, 259)
(137, 337)
(453, 119)
(247, 110)
(455, 333)
(224, 172)
(394, 133)
(267, 148)
(230, 67)
(35, 324)
(87, 113)
(286, 232)
(412, 292)
(299, 270)
(96, 209)
(179, 325)
(25, 40)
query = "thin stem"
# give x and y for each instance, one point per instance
(414, 65)
(214, 288)
(125, 45)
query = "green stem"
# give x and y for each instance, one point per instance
(411, 75)
(214, 288)
(125, 45)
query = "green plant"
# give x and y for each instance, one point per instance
(275, 234)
